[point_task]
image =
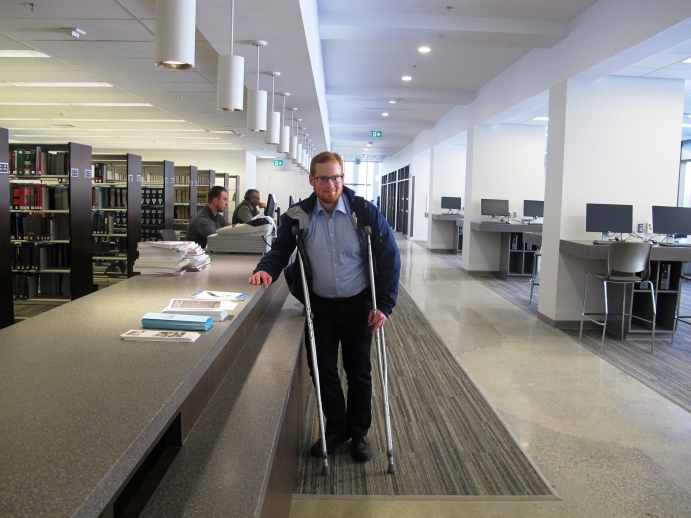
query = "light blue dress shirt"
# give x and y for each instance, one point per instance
(333, 247)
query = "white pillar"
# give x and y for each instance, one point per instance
(447, 178)
(420, 170)
(505, 162)
(614, 140)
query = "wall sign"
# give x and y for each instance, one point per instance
(278, 163)
(130, 178)
(87, 173)
(376, 133)
(4, 168)
(74, 173)
(139, 178)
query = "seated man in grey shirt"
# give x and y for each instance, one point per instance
(208, 220)
(249, 208)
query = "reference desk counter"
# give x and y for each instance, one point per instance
(447, 232)
(516, 256)
(577, 258)
(83, 410)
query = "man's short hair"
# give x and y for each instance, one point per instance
(215, 192)
(324, 158)
(249, 193)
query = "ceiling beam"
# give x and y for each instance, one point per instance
(469, 30)
(409, 95)
(382, 124)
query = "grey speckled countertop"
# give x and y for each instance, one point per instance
(80, 406)
(223, 469)
(486, 226)
(587, 250)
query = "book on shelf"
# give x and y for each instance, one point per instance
(216, 309)
(24, 286)
(160, 336)
(38, 162)
(171, 321)
(105, 197)
(39, 227)
(109, 222)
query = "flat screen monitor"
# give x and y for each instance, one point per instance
(533, 208)
(602, 217)
(270, 206)
(672, 220)
(450, 203)
(494, 207)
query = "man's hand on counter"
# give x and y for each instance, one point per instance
(262, 278)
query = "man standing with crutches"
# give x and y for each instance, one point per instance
(329, 231)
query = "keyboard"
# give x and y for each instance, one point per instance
(600, 242)
(685, 245)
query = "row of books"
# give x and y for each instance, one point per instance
(181, 212)
(105, 173)
(103, 197)
(109, 222)
(39, 227)
(202, 194)
(181, 195)
(37, 162)
(36, 257)
(39, 197)
(180, 225)
(27, 286)
(108, 244)
(152, 196)
(153, 177)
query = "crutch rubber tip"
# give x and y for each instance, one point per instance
(326, 471)
(392, 469)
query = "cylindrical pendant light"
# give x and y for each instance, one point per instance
(231, 75)
(175, 33)
(303, 158)
(273, 123)
(284, 145)
(298, 152)
(293, 151)
(256, 100)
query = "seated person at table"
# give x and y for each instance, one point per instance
(249, 208)
(208, 220)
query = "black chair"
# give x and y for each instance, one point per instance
(168, 235)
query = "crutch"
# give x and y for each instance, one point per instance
(381, 356)
(313, 353)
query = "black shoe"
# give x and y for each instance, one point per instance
(333, 441)
(361, 449)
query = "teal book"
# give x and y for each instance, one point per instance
(177, 321)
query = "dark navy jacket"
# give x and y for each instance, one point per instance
(387, 261)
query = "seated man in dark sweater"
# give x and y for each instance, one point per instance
(208, 220)
(249, 208)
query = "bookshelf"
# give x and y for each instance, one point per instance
(6, 302)
(50, 223)
(185, 197)
(232, 185)
(517, 257)
(157, 199)
(117, 184)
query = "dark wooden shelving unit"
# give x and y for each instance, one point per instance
(6, 297)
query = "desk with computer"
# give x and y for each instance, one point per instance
(447, 227)
(670, 227)
(517, 258)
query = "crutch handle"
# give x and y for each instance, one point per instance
(368, 230)
(296, 231)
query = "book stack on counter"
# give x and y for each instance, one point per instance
(163, 257)
(198, 259)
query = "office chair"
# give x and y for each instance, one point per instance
(168, 234)
(538, 255)
(627, 263)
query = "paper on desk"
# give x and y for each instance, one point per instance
(219, 295)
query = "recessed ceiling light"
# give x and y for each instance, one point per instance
(60, 84)
(424, 49)
(22, 54)
(368, 145)
(392, 102)
(119, 105)
(384, 114)
(687, 60)
(686, 125)
(541, 118)
(407, 78)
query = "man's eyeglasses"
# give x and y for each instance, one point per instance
(323, 180)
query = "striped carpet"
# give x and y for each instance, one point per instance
(667, 370)
(448, 441)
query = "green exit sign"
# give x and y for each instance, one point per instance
(376, 134)
(278, 163)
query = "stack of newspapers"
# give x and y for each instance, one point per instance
(163, 257)
(198, 259)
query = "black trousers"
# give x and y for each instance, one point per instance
(344, 320)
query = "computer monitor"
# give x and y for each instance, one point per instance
(672, 220)
(270, 206)
(494, 207)
(602, 217)
(533, 208)
(450, 203)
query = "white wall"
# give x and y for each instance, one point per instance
(282, 181)
(506, 162)
(420, 169)
(615, 140)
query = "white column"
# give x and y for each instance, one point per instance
(447, 178)
(420, 170)
(505, 162)
(614, 140)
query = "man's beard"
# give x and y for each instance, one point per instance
(329, 198)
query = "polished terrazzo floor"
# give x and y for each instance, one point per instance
(609, 445)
